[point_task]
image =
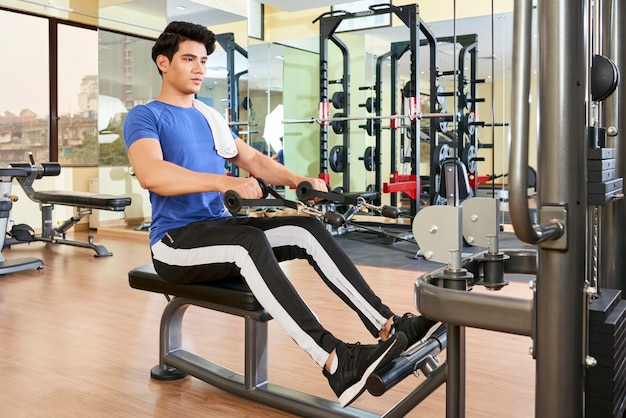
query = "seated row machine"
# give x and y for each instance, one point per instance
(233, 296)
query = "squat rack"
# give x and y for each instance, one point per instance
(466, 124)
(397, 50)
(328, 24)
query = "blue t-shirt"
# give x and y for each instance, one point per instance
(186, 140)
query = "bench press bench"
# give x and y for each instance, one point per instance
(232, 296)
(84, 202)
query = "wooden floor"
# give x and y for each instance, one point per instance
(77, 341)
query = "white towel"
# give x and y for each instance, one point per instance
(222, 135)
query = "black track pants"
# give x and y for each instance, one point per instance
(253, 248)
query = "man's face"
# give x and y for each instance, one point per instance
(186, 70)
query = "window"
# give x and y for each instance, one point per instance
(24, 87)
(77, 95)
(99, 75)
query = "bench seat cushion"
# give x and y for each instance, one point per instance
(83, 200)
(233, 292)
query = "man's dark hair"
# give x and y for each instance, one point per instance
(177, 32)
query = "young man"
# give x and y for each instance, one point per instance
(177, 147)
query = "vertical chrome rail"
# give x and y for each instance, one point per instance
(562, 193)
(518, 158)
(563, 100)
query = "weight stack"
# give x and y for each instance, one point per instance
(602, 184)
(605, 384)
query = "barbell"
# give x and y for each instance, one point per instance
(326, 121)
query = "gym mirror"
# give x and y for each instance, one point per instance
(482, 53)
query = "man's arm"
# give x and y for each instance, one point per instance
(261, 166)
(168, 179)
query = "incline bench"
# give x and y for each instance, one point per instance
(85, 202)
(233, 296)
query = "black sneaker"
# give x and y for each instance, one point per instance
(356, 362)
(416, 328)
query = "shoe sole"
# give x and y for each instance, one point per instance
(349, 395)
(426, 336)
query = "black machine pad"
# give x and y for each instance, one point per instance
(233, 292)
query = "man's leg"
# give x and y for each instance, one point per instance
(305, 237)
(218, 249)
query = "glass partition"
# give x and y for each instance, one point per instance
(265, 97)
(77, 94)
(128, 77)
(270, 87)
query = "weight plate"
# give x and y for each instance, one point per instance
(469, 158)
(337, 159)
(443, 123)
(408, 90)
(442, 152)
(338, 100)
(468, 123)
(370, 104)
(369, 158)
(338, 125)
(441, 99)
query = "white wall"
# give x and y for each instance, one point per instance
(119, 181)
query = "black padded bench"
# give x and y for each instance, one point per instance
(228, 295)
(83, 200)
(233, 296)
